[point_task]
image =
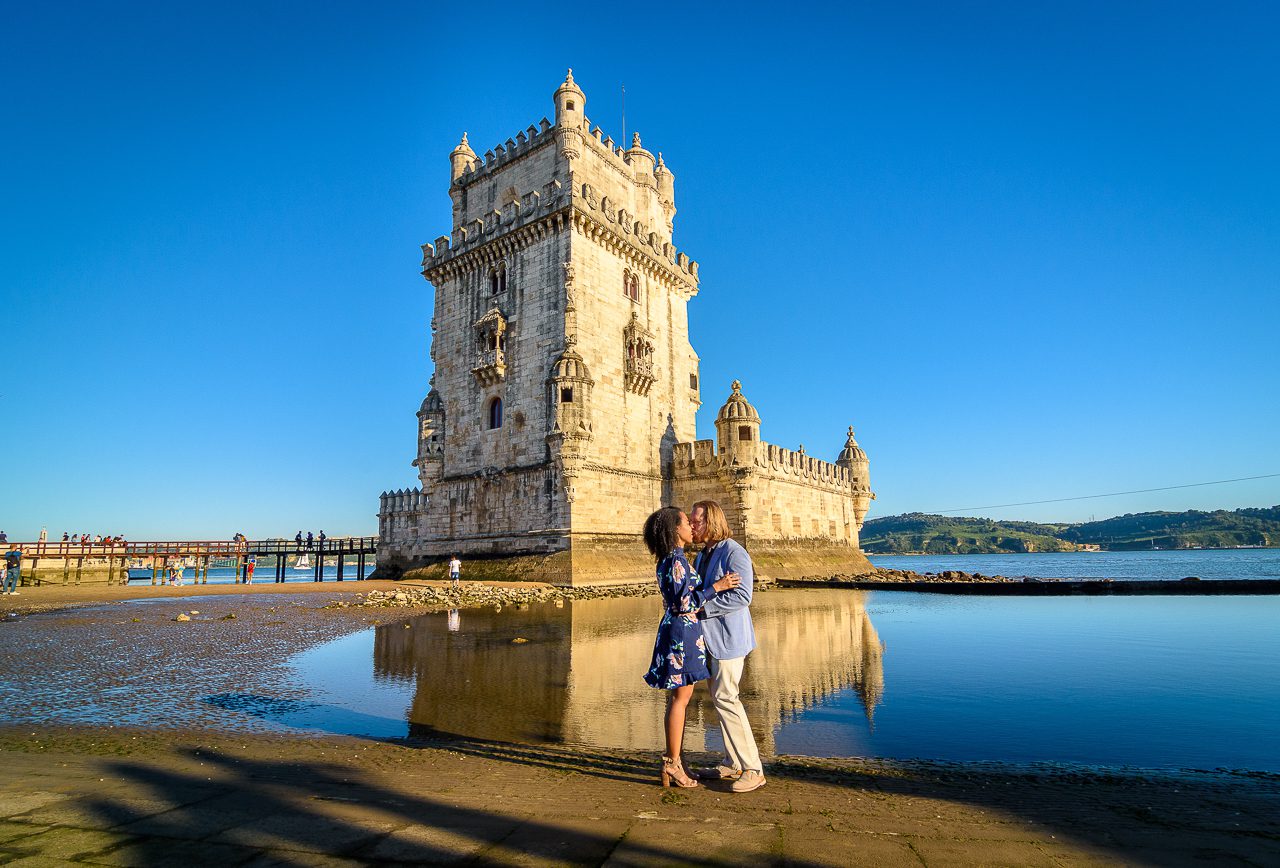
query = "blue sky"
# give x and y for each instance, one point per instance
(1029, 251)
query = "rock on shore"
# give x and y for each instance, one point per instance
(912, 576)
(476, 596)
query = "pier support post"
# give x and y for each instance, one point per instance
(360, 564)
(79, 569)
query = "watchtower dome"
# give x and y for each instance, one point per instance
(571, 103)
(737, 428)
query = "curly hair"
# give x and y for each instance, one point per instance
(660, 532)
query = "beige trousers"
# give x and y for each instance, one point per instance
(739, 742)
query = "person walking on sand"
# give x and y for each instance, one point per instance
(249, 567)
(679, 652)
(730, 637)
(455, 570)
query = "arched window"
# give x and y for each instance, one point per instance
(498, 279)
(630, 285)
(495, 413)
(493, 282)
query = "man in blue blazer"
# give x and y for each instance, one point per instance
(730, 637)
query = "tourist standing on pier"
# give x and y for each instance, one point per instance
(322, 539)
(310, 539)
(455, 570)
(298, 539)
(679, 652)
(730, 637)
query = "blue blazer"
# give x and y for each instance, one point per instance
(726, 617)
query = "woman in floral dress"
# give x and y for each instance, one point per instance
(679, 654)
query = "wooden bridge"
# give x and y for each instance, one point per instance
(116, 557)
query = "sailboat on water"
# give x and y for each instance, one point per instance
(303, 562)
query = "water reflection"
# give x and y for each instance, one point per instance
(577, 675)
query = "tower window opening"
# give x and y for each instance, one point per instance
(744, 432)
(495, 413)
(631, 286)
(566, 395)
(693, 381)
(569, 105)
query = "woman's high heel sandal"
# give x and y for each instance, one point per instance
(673, 773)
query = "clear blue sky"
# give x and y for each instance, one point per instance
(1028, 250)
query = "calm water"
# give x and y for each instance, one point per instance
(1205, 563)
(264, 575)
(1146, 681)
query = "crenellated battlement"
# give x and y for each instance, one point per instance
(405, 500)
(531, 138)
(773, 461)
(532, 206)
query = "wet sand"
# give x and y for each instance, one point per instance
(146, 793)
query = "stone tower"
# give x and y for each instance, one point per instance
(563, 369)
(561, 409)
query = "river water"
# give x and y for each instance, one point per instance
(1151, 681)
(1162, 682)
(1121, 566)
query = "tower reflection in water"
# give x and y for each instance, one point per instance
(577, 676)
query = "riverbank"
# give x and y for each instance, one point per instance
(145, 797)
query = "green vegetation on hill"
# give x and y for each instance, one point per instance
(1181, 530)
(947, 535)
(941, 534)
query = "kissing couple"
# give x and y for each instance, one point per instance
(705, 632)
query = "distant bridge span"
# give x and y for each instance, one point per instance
(117, 556)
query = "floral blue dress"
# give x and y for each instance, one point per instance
(679, 653)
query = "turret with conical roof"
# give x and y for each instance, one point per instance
(737, 428)
(430, 436)
(571, 103)
(461, 158)
(853, 459)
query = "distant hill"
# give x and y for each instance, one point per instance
(1181, 530)
(943, 534)
(916, 532)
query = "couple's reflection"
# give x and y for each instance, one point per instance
(575, 677)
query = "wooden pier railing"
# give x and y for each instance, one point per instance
(115, 557)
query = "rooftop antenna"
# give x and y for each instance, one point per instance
(624, 116)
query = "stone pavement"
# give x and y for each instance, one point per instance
(121, 797)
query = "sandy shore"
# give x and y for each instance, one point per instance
(143, 793)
